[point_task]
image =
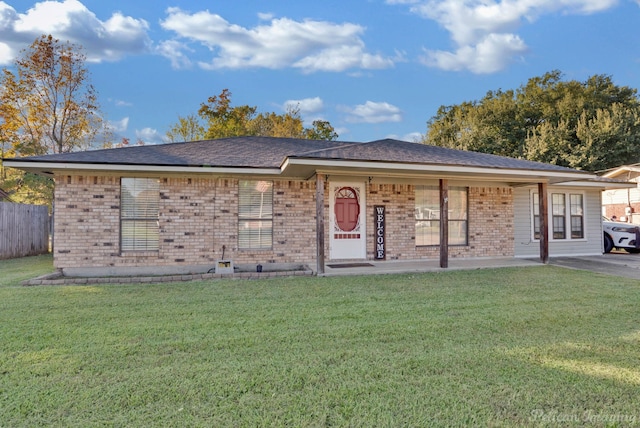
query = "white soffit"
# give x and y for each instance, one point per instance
(302, 167)
(305, 168)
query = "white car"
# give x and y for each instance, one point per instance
(620, 235)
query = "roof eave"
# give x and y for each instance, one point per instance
(48, 168)
(296, 165)
(603, 185)
(305, 167)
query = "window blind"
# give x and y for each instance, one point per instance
(139, 208)
(255, 215)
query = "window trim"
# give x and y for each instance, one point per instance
(559, 203)
(571, 216)
(450, 220)
(567, 194)
(242, 218)
(153, 249)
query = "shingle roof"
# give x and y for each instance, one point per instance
(405, 152)
(270, 152)
(258, 152)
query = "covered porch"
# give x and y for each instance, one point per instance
(372, 267)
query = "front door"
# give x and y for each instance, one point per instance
(347, 236)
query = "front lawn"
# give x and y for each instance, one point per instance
(500, 347)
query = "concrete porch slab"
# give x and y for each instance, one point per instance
(431, 265)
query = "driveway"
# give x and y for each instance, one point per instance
(615, 263)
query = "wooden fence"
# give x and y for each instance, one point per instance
(24, 230)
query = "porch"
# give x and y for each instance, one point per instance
(371, 267)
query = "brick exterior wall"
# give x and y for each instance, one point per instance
(620, 211)
(399, 202)
(490, 223)
(86, 221)
(198, 216)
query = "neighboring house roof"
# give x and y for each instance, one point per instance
(613, 183)
(300, 158)
(623, 170)
(622, 177)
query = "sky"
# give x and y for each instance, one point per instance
(373, 68)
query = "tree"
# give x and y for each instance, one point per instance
(8, 134)
(48, 104)
(187, 129)
(51, 98)
(222, 120)
(321, 130)
(288, 125)
(591, 125)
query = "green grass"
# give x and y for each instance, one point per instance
(502, 347)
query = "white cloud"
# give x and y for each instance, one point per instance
(372, 112)
(483, 30)
(342, 132)
(310, 109)
(108, 40)
(306, 105)
(341, 58)
(174, 50)
(492, 54)
(121, 103)
(150, 136)
(119, 125)
(265, 16)
(466, 20)
(412, 137)
(308, 45)
(7, 53)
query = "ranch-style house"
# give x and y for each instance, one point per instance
(183, 207)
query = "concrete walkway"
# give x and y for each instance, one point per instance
(369, 267)
(617, 264)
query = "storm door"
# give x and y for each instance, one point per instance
(347, 205)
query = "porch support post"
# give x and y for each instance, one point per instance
(320, 178)
(444, 223)
(544, 222)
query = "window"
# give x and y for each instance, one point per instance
(567, 214)
(558, 210)
(577, 216)
(139, 200)
(427, 215)
(536, 216)
(255, 215)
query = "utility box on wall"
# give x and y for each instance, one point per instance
(224, 266)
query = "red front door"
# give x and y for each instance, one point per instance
(347, 209)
